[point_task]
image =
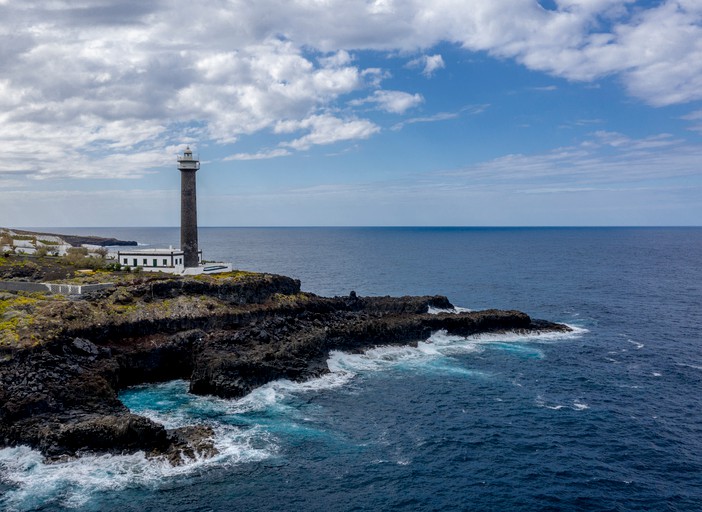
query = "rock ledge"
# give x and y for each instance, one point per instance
(60, 378)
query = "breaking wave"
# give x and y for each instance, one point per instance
(248, 429)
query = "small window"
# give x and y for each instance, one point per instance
(165, 262)
(135, 263)
(155, 262)
(126, 260)
(145, 261)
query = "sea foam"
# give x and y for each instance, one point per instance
(246, 429)
(72, 484)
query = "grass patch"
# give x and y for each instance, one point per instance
(17, 315)
(234, 275)
(290, 300)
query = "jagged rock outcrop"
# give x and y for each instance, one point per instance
(227, 337)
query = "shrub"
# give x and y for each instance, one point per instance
(76, 254)
(78, 257)
(101, 252)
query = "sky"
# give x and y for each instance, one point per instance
(352, 112)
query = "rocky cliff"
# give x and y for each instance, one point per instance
(66, 360)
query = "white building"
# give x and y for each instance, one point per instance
(167, 260)
(154, 259)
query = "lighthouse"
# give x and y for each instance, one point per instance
(188, 166)
(187, 260)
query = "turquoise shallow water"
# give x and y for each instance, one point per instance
(607, 418)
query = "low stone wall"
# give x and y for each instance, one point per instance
(65, 289)
(15, 286)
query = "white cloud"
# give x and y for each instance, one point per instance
(693, 116)
(604, 160)
(395, 102)
(83, 81)
(261, 155)
(326, 129)
(374, 76)
(696, 117)
(338, 59)
(615, 178)
(242, 92)
(442, 116)
(428, 63)
(381, 7)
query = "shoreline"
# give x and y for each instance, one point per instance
(76, 240)
(226, 335)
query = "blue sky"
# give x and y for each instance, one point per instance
(355, 112)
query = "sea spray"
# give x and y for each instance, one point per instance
(247, 430)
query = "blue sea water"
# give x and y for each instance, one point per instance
(606, 418)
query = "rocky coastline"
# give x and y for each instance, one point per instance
(79, 240)
(67, 357)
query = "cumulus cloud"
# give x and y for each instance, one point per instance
(100, 80)
(248, 90)
(338, 59)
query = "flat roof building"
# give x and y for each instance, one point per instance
(155, 259)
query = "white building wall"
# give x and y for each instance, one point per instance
(153, 259)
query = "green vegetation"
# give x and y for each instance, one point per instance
(27, 319)
(234, 275)
(17, 315)
(7, 241)
(78, 257)
(290, 300)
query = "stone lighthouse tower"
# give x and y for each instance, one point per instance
(188, 166)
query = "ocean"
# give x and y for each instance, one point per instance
(607, 417)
